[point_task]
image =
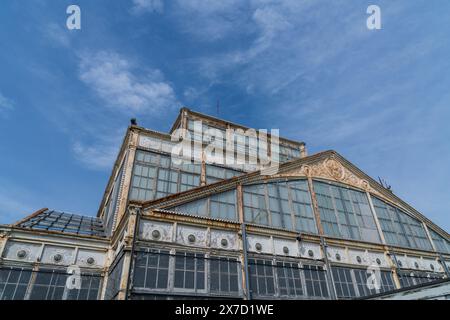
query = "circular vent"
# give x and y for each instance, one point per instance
(156, 234)
(338, 257)
(191, 238)
(286, 250)
(378, 261)
(57, 257)
(21, 254)
(358, 258)
(224, 242)
(90, 261)
(311, 253)
(258, 246)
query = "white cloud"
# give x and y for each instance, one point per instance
(142, 6)
(57, 35)
(15, 202)
(6, 104)
(211, 20)
(96, 156)
(119, 83)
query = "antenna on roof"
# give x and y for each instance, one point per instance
(384, 184)
(133, 121)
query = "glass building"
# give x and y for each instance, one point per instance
(180, 226)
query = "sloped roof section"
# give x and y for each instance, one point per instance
(221, 186)
(51, 220)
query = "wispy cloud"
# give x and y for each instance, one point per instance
(6, 105)
(14, 202)
(143, 6)
(123, 86)
(56, 34)
(211, 20)
(98, 156)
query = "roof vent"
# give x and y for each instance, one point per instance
(133, 121)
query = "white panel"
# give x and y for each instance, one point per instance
(31, 251)
(306, 247)
(150, 228)
(373, 256)
(149, 142)
(264, 242)
(90, 258)
(363, 257)
(231, 238)
(427, 263)
(403, 260)
(334, 251)
(50, 251)
(411, 262)
(167, 146)
(291, 245)
(184, 233)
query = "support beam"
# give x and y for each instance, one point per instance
(330, 279)
(315, 206)
(375, 217)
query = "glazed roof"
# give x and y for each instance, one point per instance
(51, 220)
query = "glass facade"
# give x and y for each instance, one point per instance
(278, 279)
(399, 228)
(156, 176)
(280, 204)
(409, 279)
(114, 276)
(184, 272)
(352, 283)
(110, 209)
(215, 173)
(441, 244)
(46, 284)
(345, 213)
(220, 206)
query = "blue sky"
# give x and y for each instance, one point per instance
(309, 67)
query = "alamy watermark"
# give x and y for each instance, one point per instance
(374, 20)
(73, 21)
(230, 147)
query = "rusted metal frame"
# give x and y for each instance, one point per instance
(315, 205)
(330, 278)
(396, 269)
(444, 264)
(244, 265)
(246, 271)
(375, 217)
(425, 227)
(133, 248)
(127, 176)
(123, 148)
